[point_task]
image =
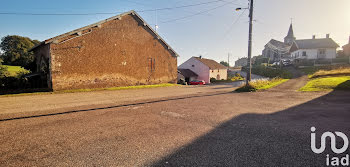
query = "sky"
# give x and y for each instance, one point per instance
(213, 29)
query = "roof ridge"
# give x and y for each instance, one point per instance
(133, 12)
(212, 64)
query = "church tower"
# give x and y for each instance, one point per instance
(290, 38)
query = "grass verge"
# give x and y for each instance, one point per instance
(119, 88)
(327, 84)
(91, 90)
(261, 85)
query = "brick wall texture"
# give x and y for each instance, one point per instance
(119, 53)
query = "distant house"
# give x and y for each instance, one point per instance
(323, 48)
(119, 51)
(346, 49)
(205, 68)
(241, 62)
(187, 74)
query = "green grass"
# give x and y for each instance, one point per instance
(91, 90)
(264, 85)
(261, 85)
(327, 84)
(14, 70)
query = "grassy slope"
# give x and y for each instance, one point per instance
(327, 84)
(14, 70)
(327, 78)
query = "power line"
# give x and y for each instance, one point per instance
(108, 13)
(183, 6)
(234, 23)
(195, 14)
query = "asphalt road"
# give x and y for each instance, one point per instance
(270, 128)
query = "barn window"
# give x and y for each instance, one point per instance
(152, 64)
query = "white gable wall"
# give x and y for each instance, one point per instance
(221, 72)
(198, 67)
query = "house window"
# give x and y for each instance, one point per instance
(322, 51)
(218, 70)
(212, 70)
(192, 65)
(304, 53)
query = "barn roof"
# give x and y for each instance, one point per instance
(211, 63)
(278, 44)
(98, 24)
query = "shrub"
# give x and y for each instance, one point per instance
(213, 80)
(246, 88)
(270, 72)
(3, 71)
(17, 82)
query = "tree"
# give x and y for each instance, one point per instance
(16, 50)
(258, 60)
(224, 63)
(340, 53)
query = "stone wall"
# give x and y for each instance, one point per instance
(118, 53)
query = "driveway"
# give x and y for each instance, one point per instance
(269, 128)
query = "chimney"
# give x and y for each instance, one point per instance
(327, 36)
(314, 37)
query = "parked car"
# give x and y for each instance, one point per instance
(277, 63)
(286, 62)
(197, 82)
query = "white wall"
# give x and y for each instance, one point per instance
(312, 54)
(199, 68)
(221, 72)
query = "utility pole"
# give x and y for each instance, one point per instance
(249, 74)
(228, 60)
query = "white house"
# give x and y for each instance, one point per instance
(323, 48)
(205, 69)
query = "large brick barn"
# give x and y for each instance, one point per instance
(120, 51)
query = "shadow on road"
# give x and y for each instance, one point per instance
(278, 139)
(116, 106)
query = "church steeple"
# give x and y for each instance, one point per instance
(290, 38)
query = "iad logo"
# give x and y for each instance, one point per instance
(334, 161)
(333, 142)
